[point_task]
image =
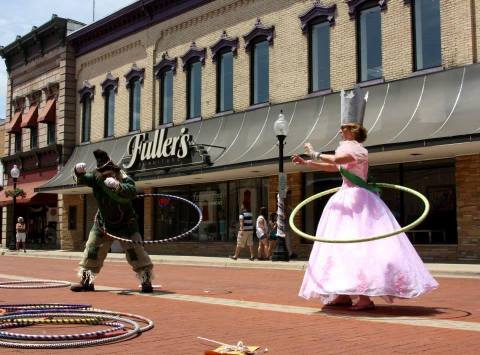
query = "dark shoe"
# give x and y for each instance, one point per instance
(233, 257)
(147, 287)
(252, 258)
(293, 256)
(80, 287)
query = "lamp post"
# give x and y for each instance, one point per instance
(280, 127)
(14, 173)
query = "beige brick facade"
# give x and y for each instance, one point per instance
(468, 207)
(460, 33)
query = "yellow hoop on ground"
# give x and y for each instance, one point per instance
(359, 240)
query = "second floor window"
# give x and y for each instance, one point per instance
(369, 34)
(320, 56)
(194, 89)
(18, 142)
(51, 133)
(428, 51)
(86, 118)
(225, 82)
(166, 97)
(109, 112)
(259, 73)
(33, 137)
(134, 115)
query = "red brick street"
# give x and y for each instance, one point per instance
(256, 305)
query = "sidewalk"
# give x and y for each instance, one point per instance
(437, 269)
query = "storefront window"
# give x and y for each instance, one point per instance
(434, 179)
(220, 204)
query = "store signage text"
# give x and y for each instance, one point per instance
(141, 149)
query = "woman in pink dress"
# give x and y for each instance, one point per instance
(337, 272)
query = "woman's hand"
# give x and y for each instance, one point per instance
(309, 149)
(298, 160)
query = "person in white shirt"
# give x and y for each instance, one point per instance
(262, 234)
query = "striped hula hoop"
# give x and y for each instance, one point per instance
(419, 220)
(124, 326)
(34, 284)
(159, 241)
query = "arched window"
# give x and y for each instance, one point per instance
(223, 52)
(317, 22)
(257, 42)
(109, 88)
(86, 97)
(426, 34)
(192, 64)
(165, 70)
(134, 83)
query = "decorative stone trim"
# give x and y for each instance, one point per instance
(194, 53)
(18, 103)
(354, 5)
(317, 11)
(135, 73)
(167, 63)
(51, 90)
(34, 97)
(109, 81)
(224, 42)
(86, 90)
(259, 31)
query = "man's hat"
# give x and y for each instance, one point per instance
(104, 162)
(353, 106)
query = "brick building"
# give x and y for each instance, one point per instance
(39, 133)
(215, 75)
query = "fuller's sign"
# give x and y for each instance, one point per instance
(157, 150)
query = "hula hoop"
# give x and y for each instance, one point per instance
(164, 240)
(34, 284)
(360, 239)
(102, 336)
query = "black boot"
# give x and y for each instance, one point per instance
(145, 277)
(86, 284)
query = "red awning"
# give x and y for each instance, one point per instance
(48, 114)
(30, 119)
(27, 183)
(14, 125)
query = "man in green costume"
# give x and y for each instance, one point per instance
(114, 191)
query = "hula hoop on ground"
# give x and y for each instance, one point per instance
(103, 337)
(34, 284)
(158, 241)
(360, 239)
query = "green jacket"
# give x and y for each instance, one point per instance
(116, 213)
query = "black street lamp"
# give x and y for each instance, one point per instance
(280, 127)
(14, 173)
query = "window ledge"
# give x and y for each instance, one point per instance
(193, 119)
(109, 138)
(223, 113)
(319, 93)
(426, 71)
(256, 106)
(371, 82)
(165, 125)
(131, 133)
(85, 143)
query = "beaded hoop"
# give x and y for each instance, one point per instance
(165, 240)
(34, 284)
(360, 239)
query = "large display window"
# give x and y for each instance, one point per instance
(220, 204)
(435, 179)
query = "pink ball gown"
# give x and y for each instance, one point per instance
(387, 268)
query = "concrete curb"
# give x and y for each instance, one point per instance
(439, 270)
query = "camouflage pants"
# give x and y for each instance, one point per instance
(97, 248)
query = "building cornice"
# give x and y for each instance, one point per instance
(129, 20)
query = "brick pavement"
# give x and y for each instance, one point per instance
(185, 309)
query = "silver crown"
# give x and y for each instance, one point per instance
(353, 105)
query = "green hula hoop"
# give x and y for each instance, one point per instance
(359, 240)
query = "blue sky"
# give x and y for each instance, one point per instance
(17, 17)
